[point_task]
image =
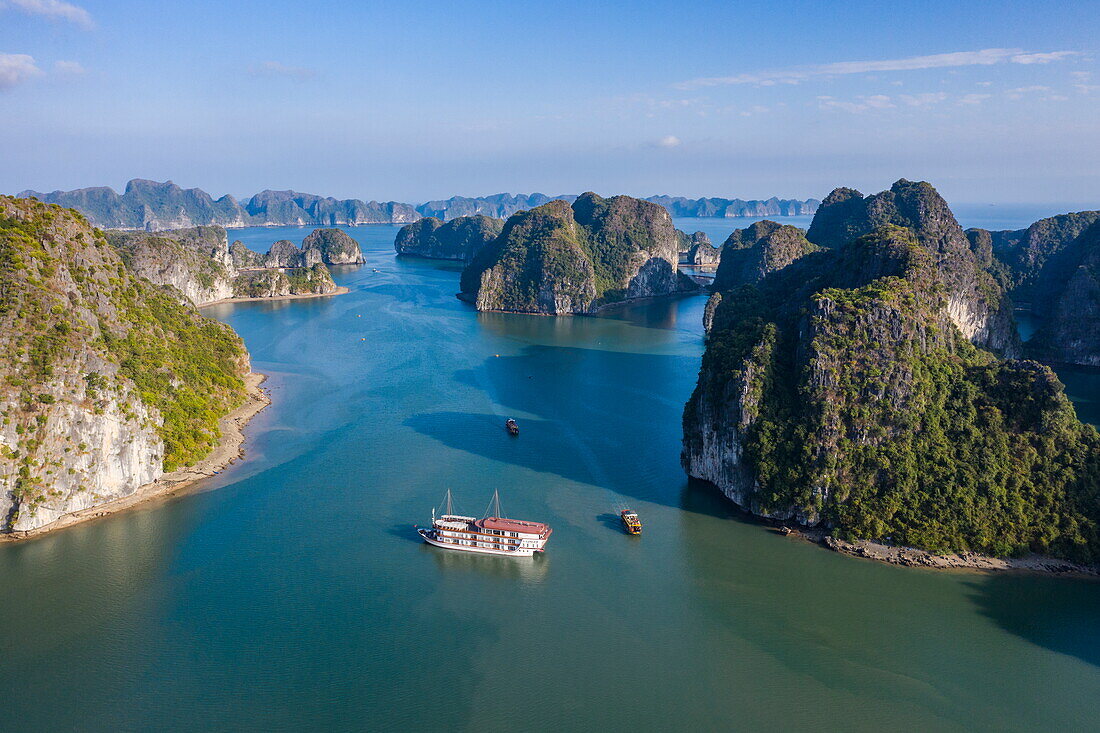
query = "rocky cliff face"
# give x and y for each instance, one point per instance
(560, 259)
(458, 239)
(312, 280)
(197, 261)
(1070, 333)
(243, 257)
(750, 254)
(331, 247)
(841, 391)
(1025, 252)
(108, 380)
(976, 302)
(699, 251)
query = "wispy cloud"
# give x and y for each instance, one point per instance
(277, 69)
(54, 10)
(923, 100)
(16, 68)
(1019, 92)
(669, 141)
(972, 99)
(862, 104)
(1081, 82)
(68, 68)
(984, 57)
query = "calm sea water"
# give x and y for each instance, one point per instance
(296, 595)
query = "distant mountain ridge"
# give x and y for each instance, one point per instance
(155, 206)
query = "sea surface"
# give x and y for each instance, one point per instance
(296, 596)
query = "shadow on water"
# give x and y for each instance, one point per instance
(405, 532)
(1059, 614)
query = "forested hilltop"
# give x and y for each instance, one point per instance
(862, 387)
(561, 259)
(154, 206)
(108, 381)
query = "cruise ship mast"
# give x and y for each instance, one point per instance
(494, 506)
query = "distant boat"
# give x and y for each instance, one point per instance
(490, 535)
(630, 520)
(513, 428)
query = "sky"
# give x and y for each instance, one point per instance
(992, 102)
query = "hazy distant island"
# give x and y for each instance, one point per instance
(860, 378)
(154, 206)
(562, 258)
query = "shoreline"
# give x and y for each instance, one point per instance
(340, 290)
(912, 557)
(226, 451)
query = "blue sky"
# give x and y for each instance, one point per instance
(993, 102)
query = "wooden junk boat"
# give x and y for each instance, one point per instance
(631, 523)
(493, 534)
(513, 428)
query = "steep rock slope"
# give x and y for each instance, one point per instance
(108, 380)
(458, 239)
(560, 259)
(331, 247)
(840, 391)
(312, 280)
(1070, 333)
(749, 254)
(976, 302)
(197, 262)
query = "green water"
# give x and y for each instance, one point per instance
(296, 594)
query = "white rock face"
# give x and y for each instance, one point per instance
(97, 448)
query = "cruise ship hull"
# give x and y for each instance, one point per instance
(429, 537)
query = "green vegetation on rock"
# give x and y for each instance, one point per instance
(840, 391)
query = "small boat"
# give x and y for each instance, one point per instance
(631, 523)
(513, 428)
(491, 535)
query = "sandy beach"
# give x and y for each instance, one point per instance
(228, 449)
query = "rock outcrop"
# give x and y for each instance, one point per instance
(748, 255)
(562, 259)
(196, 262)
(841, 392)
(108, 380)
(284, 253)
(331, 247)
(1070, 283)
(976, 302)
(312, 280)
(245, 258)
(701, 252)
(458, 239)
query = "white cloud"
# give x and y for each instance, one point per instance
(68, 68)
(974, 98)
(984, 57)
(864, 104)
(16, 68)
(54, 10)
(924, 99)
(669, 141)
(276, 69)
(1019, 92)
(1042, 58)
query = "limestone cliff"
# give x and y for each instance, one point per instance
(196, 262)
(840, 391)
(458, 239)
(701, 253)
(270, 283)
(284, 253)
(749, 254)
(976, 302)
(562, 259)
(108, 380)
(1070, 332)
(331, 247)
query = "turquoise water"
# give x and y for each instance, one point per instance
(296, 595)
